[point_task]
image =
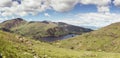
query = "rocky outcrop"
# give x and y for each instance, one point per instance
(1, 55)
(57, 31)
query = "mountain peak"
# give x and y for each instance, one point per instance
(19, 19)
(47, 22)
(12, 23)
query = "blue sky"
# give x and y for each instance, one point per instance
(61, 15)
(97, 13)
(79, 8)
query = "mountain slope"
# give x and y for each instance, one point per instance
(106, 39)
(37, 30)
(15, 46)
(12, 23)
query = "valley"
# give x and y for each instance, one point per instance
(105, 39)
(44, 29)
(16, 46)
(19, 39)
(60, 29)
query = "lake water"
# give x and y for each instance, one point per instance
(50, 39)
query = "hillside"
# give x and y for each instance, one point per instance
(12, 23)
(15, 46)
(105, 39)
(37, 29)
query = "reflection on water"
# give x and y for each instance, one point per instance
(50, 39)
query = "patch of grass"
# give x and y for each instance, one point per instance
(106, 39)
(11, 46)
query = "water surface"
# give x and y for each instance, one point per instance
(50, 39)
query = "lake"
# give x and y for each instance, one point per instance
(50, 39)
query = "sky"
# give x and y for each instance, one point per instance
(86, 13)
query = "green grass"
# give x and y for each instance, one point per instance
(37, 30)
(30, 29)
(12, 47)
(106, 39)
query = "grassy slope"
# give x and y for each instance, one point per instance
(12, 23)
(36, 29)
(33, 29)
(12, 47)
(30, 29)
(106, 39)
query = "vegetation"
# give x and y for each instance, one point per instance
(15, 46)
(12, 23)
(103, 43)
(106, 39)
(42, 29)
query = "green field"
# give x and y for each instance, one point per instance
(13, 47)
(106, 39)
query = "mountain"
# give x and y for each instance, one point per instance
(12, 23)
(41, 29)
(92, 27)
(16, 46)
(105, 39)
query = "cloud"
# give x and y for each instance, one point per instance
(6, 3)
(47, 15)
(9, 7)
(63, 5)
(116, 2)
(103, 9)
(96, 2)
(2, 19)
(25, 7)
(92, 19)
(102, 5)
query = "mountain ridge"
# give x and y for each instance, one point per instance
(40, 29)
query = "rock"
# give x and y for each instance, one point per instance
(35, 57)
(29, 43)
(0, 55)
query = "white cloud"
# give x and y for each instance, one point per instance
(103, 9)
(96, 2)
(26, 7)
(8, 7)
(5, 3)
(47, 15)
(2, 19)
(92, 19)
(102, 5)
(116, 2)
(63, 5)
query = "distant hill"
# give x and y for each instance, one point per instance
(92, 27)
(105, 39)
(8, 24)
(16, 46)
(40, 29)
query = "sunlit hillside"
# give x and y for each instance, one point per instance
(15, 46)
(105, 39)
